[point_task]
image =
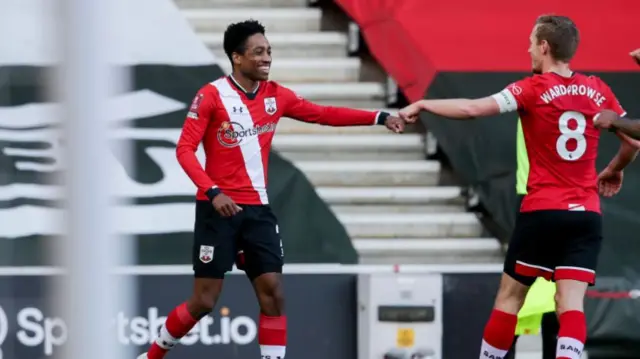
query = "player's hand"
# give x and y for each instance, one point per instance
(636, 55)
(605, 119)
(225, 205)
(394, 124)
(410, 113)
(609, 182)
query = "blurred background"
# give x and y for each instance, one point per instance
(393, 243)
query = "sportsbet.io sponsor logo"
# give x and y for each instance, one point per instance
(231, 134)
(223, 330)
(34, 329)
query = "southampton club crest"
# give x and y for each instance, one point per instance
(206, 254)
(270, 105)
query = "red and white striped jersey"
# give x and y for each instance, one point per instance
(236, 129)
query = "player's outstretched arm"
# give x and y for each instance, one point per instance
(460, 108)
(300, 109)
(610, 120)
(629, 127)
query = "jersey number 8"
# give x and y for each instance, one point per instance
(567, 134)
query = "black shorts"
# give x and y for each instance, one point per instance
(554, 245)
(217, 239)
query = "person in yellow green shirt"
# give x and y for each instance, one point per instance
(538, 312)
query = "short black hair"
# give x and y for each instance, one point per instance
(236, 35)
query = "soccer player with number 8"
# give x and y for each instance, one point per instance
(558, 231)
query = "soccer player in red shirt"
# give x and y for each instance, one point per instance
(235, 118)
(558, 231)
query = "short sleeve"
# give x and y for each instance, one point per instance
(514, 97)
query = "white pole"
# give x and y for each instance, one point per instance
(88, 295)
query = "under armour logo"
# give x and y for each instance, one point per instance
(238, 109)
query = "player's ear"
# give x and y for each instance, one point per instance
(544, 47)
(236, 57)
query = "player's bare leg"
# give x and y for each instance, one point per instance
(185, 316)
(206, 292)
(500, 329)
(573, 325)
(511, 295)
(272, 327)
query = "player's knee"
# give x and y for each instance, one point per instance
(271, 304)
(570, 295)
(204, 302)
(511, 295)
(205, 295)
(568, 299)
(562, 302)
(509, 302)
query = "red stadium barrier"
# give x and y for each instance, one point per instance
(415, 39)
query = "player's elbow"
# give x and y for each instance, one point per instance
(183, 150)
(472, 110)
(481, 108)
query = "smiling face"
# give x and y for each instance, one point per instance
(255, 60)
